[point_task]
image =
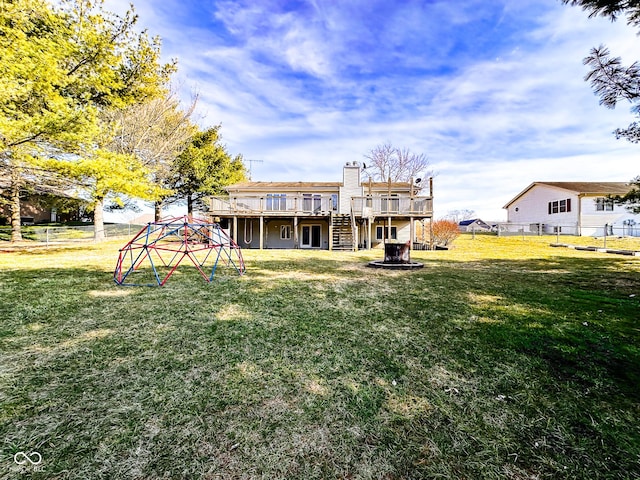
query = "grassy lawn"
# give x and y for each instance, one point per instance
(503, 358)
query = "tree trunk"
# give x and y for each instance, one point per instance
(98, 220)
(189, 207)
(16, 228)
(157, 211)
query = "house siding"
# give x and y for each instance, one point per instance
(322, 215)
(350, 188)
(532, 207)
(594, 221)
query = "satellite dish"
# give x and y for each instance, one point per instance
(364, 165)
(418, 180)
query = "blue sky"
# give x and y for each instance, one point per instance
(491, 91)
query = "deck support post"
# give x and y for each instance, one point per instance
(234, 234)
(331, 231)
(412, 232)
(261, 232)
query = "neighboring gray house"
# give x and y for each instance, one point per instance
(474, 225)
(343, 215)
(577, 208)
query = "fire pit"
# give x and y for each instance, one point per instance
(397, 256)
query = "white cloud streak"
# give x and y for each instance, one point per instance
(310, 89)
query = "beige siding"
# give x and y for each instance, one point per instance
(350, 188)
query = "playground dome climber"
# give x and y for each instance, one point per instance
(159, 248)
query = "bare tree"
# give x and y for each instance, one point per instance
(155, 132)
(396, 164)
(459, 215)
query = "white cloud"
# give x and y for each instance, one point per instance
(306, 91)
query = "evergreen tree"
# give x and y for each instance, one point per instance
(204, 168)
(65, 68)
(612, 81)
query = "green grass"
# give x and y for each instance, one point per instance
(502, 358)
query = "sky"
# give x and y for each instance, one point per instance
(492, 92)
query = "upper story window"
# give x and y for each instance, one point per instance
(390, 203)
(604, 205)
(276, 201)
(334, 202)
(559, 206)
(311, 202)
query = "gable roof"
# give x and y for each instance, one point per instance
(465, 223)
(275, 187)
(581, 188)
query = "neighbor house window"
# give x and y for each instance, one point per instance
(285, 232)
(560, 206)
(604, 205)
(276, 201)
(381, 233)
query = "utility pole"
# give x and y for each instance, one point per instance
(251, 161)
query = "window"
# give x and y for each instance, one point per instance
(334, 202)
(276, 201)
(390, 204)
(285, 232)
(381, 233)
(559, 206)
(604, 205)
(311, 202)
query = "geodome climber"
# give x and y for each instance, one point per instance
(156, 251)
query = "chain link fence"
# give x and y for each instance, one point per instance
(58, 234)
(610, 230)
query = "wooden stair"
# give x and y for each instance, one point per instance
(342, 233)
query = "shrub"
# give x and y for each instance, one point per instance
(445, 232)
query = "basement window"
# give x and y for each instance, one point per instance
(381, 233)
(285, 232)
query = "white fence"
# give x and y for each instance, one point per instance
(611, 230)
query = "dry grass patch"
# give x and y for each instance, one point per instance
(501, 358)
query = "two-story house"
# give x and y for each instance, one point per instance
(343, 215)
(575, 208)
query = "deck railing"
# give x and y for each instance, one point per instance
(321, 205)
(274, 205)
(392, 205)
